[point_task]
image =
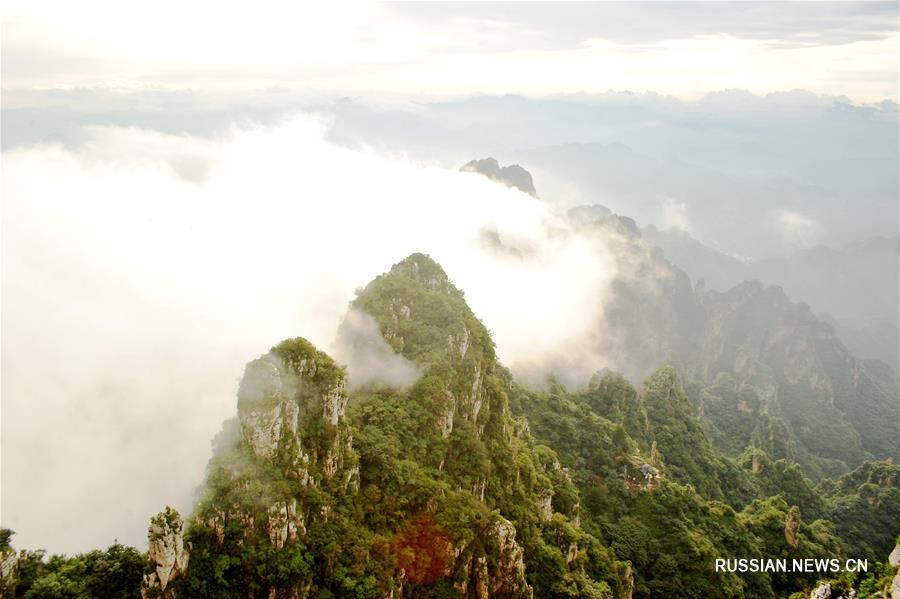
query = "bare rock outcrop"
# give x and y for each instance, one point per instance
(167, 551)
(501, 574)
(894, 561)
(282, 395)
(792, 527)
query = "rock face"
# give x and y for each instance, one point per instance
(167, 551)
(757, 464)
(894, 557)
(894, 561)
(284, 524)
(823, 591)
(545, 506)
(650, 473)
(791, 527)
(626, 585)
(281, 396)
(426, 273)
(511, 176)
(506, 577)
(269, 418)
(9, 561)
(280, 466)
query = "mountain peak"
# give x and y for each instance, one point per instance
(511, 176)
(422, 314)
(423, 269)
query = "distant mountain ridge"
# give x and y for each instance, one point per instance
(805, 377)
(855, 288)
(811, 388)
(511, 176)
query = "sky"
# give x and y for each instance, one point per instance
(676, 48)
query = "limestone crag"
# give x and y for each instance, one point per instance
(894, 561)
(281, 395)
(290, 442)
(501, 575)
(284, 524)
(167, 551)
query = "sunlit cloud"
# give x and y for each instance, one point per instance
(383, 48)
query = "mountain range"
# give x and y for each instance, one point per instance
(724, 423)
(855, 288)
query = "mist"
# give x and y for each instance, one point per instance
(143, 270)
(367, 356)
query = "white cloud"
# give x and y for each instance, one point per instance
(135, 289)
(674, 214)
(797, 229)
(368, 357)
(369, 47)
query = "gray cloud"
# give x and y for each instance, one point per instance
(571, 24)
